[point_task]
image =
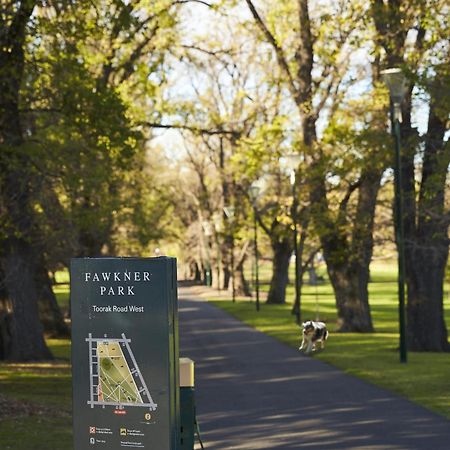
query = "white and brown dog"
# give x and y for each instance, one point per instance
(313, 332)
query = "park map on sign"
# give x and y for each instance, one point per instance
(115, 376)
(116, 380)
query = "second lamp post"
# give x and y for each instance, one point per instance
(229, 213)
(253, 192)
(396, 83)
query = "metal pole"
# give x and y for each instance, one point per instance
(297, 306)
(208, 269)
(233, 290)
(256, 259)
(399, 236)
(218, 265)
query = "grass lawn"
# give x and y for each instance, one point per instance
(44, 421)
(374, 356)
(36, 398)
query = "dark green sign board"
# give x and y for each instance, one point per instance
(125, 353)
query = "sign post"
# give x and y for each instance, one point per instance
(125, 353)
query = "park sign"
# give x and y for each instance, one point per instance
(124, 353)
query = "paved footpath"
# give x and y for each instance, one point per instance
(256, 393)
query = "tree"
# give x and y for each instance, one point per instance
(314, 74)
(116, 72)
(18, 259)
(71, 150)
(414, 37)
(214, 116)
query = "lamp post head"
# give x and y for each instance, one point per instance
(256, 188)
(229, 212)
(253, 192)
(290, 163)
(396, 83)
(217, 220)
(207, 229)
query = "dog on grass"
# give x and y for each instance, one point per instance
(313, 332)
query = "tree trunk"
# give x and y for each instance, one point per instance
(18, 266)
(49, 312)
(427, 252)
(424, 219)
(353, 310)
(426, 330)
(347, 262)
(226, 278)
(5, 334)
(362, 235)
(241, 285)
(227, 251)
(5, 319)
(296, 308)
(90, 244)
(17, 255)
(282, 251)
(197, 273)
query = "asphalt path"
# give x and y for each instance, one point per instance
(253, 392)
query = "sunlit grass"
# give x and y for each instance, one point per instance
(62, 295)
(372, 356)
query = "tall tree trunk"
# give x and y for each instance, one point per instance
(226, 277)
(228, 260)
(296, 308)
(424, 219)
(18, 266)
(17, 257)
(362, 235)
(90, 244)
(49, 311)
(353, 311)
(427, 254)
(426, 330)
(282, 251)
(347, 260)
(241, 285)
(5, 319)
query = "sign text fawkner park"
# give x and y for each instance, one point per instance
(125, 353)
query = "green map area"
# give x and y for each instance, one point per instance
(116, 382)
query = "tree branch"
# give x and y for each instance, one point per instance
(201, 2)
(278, 50)
(344, 203)
(206, 51)
(127, 66)
(311, 256)
(195, 130)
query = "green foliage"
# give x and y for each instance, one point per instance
(93, 74)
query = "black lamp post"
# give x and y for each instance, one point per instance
(229, 213)
(208, 233)
(396, 83)
(253, 193)
(217, 227)
(291, 162)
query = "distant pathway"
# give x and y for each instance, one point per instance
(256, 393)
